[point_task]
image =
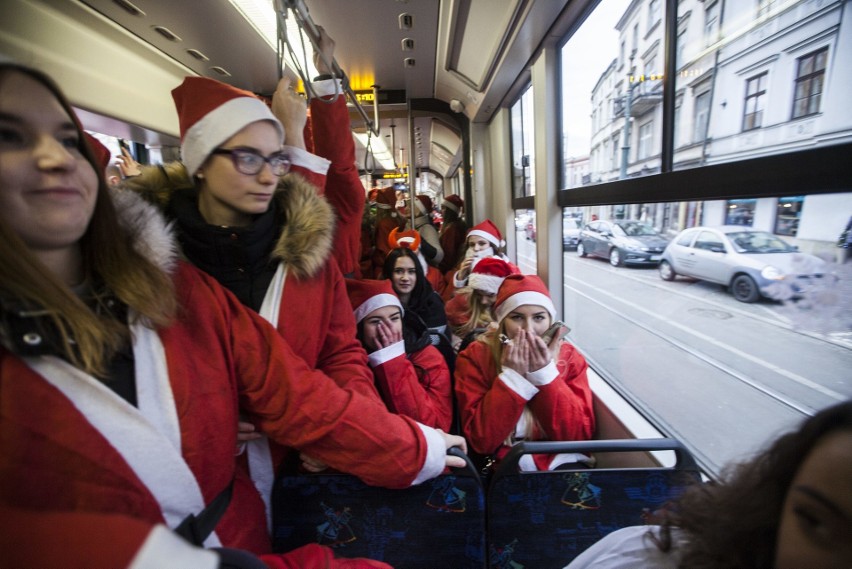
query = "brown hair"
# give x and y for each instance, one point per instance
(734, 522)
(109, 258)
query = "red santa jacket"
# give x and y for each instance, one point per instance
(418, 387)
(491, 402)
(452, 242)
(75, 454)
(332, 139)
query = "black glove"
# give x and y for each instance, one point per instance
(428, 250)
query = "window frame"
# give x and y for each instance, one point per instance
(757, 96)
(809, 77)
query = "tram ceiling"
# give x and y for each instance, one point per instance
(463, 54)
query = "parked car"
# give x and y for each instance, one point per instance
(571, 227)
(749, 262)
(529, 230)
(622, 242)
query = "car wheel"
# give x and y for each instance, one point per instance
(615, 258)
(581, 250)
(745, 289)
(667, 273)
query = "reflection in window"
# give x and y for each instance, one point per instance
(810, 75)
(702, 112)
(523, 157)
(754, 101)
(787, 215)
(740, 212)
(711, 23)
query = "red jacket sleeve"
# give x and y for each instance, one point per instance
(332, 139)
(293, 404)
(419, 388)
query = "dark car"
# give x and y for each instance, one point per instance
(622, 242)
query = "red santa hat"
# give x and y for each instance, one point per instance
(423, 204)
(488, 231)
(211, 112)
(489, 273)
(369, 295)
(453, 202)
(410, 239)
(386, 198)
(101, 152)
(521, 290)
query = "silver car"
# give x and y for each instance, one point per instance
(750, 262)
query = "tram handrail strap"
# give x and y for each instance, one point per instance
(196, 528)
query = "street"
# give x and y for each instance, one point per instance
(723, 376)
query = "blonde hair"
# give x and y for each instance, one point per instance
(480, 316)
(89, 338)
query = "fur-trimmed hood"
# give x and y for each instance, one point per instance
(152, 236)
(305, 242)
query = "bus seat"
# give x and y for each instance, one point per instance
(440, 523)
(546, 519)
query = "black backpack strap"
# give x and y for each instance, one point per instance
(196, 528)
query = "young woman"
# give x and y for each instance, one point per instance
(122, 369)
(409, 283)
(469, 311)
(483, 240)
(411, 375)
(787, 508)
(512, 386)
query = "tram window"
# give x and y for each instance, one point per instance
(784, 101)
(612, 100)
(523, 158)
(525, 227)
(682, 347)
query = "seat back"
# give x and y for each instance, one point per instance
(546, 519)
(440, 523)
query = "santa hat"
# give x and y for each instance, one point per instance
(101, 152)
(489, 273)
(488, 231)
(520, 290)
(369, 295)
(423, 204)
(453, 202)
(386, 198)
(409, 239)
(211, 112)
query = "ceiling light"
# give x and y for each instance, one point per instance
(380, 150)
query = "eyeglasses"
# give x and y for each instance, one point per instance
(250, 162)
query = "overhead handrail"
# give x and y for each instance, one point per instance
(309, 28)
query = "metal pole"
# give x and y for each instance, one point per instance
(625, 147)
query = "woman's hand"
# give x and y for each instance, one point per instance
(245, 432)
(312, 464)
(516, 353)
(291, 109)
(386, 335)
(127, 165)
(464, 269)
(540, 354)
(324, 53)
(454, 441)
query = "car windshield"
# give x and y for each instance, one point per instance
(633, 229)
(758, 242)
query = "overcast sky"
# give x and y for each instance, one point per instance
(587, 54)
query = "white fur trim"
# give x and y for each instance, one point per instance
(386, 354)
(544, 375)
(163, 548)
(152, 236)
(144, 437)
(516, 382)
(327, 87)
(488, 284)
(450, 205)
(301, 158)
(374, 303)
(488, 237)
(259, 456)
(522, 299)
(436, 455)
(219, 125)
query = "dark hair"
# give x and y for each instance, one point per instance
(421, 287)
(734, 522)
